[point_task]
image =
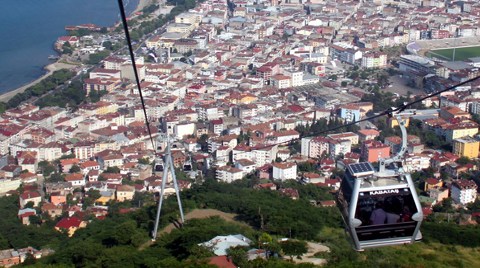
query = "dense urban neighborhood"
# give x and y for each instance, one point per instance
(245, 92)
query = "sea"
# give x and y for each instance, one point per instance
(28, 29)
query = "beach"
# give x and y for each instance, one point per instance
(142, 4)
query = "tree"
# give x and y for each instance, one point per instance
(3, 107)
(463, 160)
(74, 169)
(45, 167)
(4, 243)
(333, 77)
(108, 45)
(243, 137)
(294, 247)
(344, 83)
(95, 58)
(306, 167)
(265, 241)
(353, 75)
(29, 204)
(112, 170)
(444, 206)
(56, 177)
(202, 140)
(35, 220)
(67, 48)
(95, 95)
(238, 255)
(383, 79)
(144, 161)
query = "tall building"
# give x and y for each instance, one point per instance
(373, 150)
(284, 171)
(464, 191)
(374, 60)
(466, 146)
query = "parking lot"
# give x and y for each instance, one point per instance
(399, 85)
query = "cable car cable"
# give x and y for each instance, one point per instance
(134, 64)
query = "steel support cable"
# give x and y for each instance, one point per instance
(134, 64)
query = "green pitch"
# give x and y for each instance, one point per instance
(462, 53)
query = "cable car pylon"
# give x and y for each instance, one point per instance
(168, 167)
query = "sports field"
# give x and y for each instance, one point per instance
(461, 53)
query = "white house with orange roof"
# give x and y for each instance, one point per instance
(89, 165)
(229, 174)
(76, 179)
(284, 171)
(28, 196)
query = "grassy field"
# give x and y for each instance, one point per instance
(460, 53)
(419, 255)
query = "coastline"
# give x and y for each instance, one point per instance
(50, 68)
(141, 5)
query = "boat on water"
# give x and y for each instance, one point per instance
(53, 57)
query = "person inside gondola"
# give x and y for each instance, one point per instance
(392, 217)
(406, 214)
(393, 209)
(379, 216)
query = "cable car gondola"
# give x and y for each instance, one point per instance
(187, 166)
(380, 207)
(158, 167)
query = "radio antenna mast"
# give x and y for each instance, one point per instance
(168, 167)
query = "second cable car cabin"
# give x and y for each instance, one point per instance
(158, 166)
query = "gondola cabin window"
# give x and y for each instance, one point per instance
(385, 214)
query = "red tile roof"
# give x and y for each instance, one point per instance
(67, 223)
(222, 262)
(29, 195)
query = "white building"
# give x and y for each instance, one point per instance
(229, 174)
(315, 147)
(374, 60)
(9, 185)
(245, 165)
(296, 77)
(284, 171)
(264, 155)
(345, 136)
(464, 191)
(339, 147)
(183, 129)
(416, 163)
(208, 113)
(280, 81)
(220, 244)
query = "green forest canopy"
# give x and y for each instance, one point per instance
(116, 240)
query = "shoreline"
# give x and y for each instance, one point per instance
(50, 68)
(141, 5)
(57, 65)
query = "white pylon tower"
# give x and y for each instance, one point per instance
(168, 167)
